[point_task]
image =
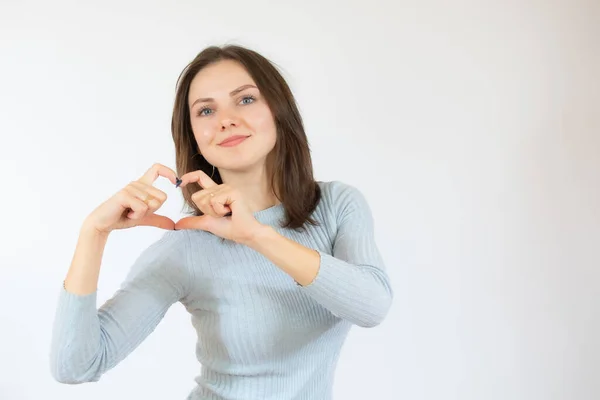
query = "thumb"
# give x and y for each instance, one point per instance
(159, 221)
(202, 222)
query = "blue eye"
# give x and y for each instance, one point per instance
(206, 111)
(201, 112)
(250, 98)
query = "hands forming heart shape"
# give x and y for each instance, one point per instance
(225, 214)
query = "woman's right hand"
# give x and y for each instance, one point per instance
(134, 205)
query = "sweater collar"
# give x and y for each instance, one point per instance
(271, 216)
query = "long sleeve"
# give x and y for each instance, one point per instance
(352, 282)
(87, 341)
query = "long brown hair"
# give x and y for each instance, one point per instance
(289, 165)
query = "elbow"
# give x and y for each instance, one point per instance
(59, 374)
(371, 321)
(66, 379)
(65, 370)
(72, 377)
(377, 312)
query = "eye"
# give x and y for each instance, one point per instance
(248, 99)
(203, 111)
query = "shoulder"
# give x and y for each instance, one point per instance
(338, 192)
(340, 198)
(167, 254)
(170, 243)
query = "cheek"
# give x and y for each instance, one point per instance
(203, 133)
(263, 121)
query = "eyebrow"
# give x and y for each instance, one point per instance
(232, 93)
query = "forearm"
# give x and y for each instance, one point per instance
(77, 346)
(360, 294)
(298, 261)
(82, 277)
(88, 341)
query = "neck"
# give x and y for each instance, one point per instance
(254, 186)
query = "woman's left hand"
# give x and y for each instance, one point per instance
(216, 201)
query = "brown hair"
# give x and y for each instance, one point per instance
(289, 164)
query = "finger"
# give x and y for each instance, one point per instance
(199, 177)
(158, 170)
(145, 197)
(223, 200)
(202, 222)
(220, 204)
(138, 207)
(159, 221)
(151, 190)
(202, 199)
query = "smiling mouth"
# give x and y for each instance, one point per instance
(233, 141)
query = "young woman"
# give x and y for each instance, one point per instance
(273, 266)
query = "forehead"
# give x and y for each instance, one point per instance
(219, 79)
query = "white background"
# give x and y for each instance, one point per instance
(473, 128)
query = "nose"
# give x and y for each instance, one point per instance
(227, 123)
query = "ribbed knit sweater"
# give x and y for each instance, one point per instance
(260, 334)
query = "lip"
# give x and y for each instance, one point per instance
(233, 140)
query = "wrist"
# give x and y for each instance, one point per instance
(298, 261)
(261, 234)
(90, 231)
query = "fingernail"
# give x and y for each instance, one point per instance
(177, 182)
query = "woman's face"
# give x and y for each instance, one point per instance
(231, 121)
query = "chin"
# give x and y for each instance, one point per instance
(242, 162)
(238, 167)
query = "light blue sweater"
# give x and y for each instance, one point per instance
(260, 334)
